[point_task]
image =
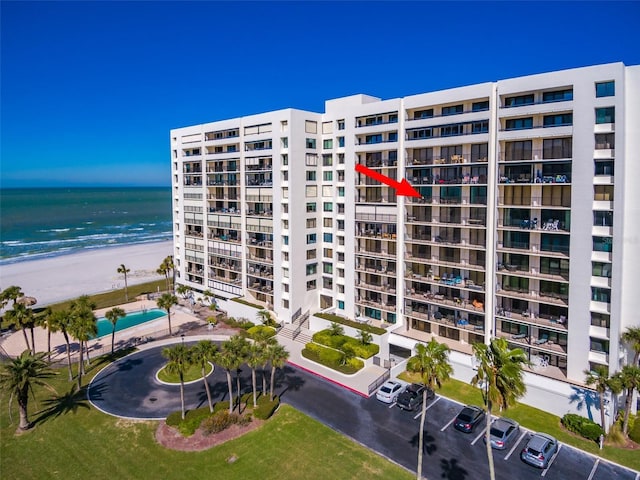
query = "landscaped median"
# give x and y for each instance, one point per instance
(345, 354)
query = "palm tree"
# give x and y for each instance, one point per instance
(432, 362)
(632, 337)
(44, 320)
(238, 347)
(165, 302)
(113, 316)
(255, 357)
(124, 270)
(83, 327)
(20, 316)
(11, 294)
(19, 376)
(364, 337)
(601, 381)
(183, 291)
(179, 360)
(629, 380)
(60, 321)
(278, 356)
(230, 359)
(348, 354)
(264, 316)
(501, 370)
(202, 353)
(166, 268)
(264, 339)
(336, 329)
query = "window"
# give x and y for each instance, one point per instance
(419, 133)
(327, 252)
(518, 101)
(285, 224)
(310, 126)
(311, 223)
(605, 115)
(311, 160)
(327, 191)
(327, 222)
(603, 193)
(285, 239)
(327, 206)
(561, 119)
(311, 254)
(340, 141)
(558, 96)
(311, 238)
(599, 269)
(340, 225)
(423, 114)
(480, 127)
(285, 160)
(369, 139)
(341, 256)
(557, 148)
(311, 207)
(327, 160)
(519, 123)
(285, 256)
(340, 272)
(311, 285)
(600, 319)
(605, 141)
(479, 152)
(327, 283)
(327, 237)
(480, 106)
(602, 244)
(327, 127)
(340, 305)
(451, 130)
(393, 136)
(518, 151)
(327, 144)
(341, 157)
(311, 143)
(599, 345)
(311, 191)
(341, 191)
(284, 141)
(341, 124)
(312, 269)
(285, 273)
(600, 294)
(603, 219)
(604, 167)
(311, 176)
(605, 89)
(452, 110)
(327, 176)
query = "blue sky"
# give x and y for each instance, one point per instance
(90, 90)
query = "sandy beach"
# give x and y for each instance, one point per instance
(55, 279)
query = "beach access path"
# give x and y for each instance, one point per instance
(55, 279)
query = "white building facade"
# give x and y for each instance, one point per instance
(527, 228)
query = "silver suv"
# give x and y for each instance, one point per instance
(539, 450)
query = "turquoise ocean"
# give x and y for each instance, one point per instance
(45, 222)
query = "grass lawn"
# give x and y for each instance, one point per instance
(536, 420)
(76, 441)
(194, 372)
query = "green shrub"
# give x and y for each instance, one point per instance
(239, 323)
(338, 342)
(174, 419)
(331, 358)
(191, 422)
(221, 405)
(582, 426)
(219, 422)
(258, 329)
(634, 431)
(265, 407)
(245, 302)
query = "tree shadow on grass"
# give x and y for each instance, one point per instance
(68, 402)
(451, 470)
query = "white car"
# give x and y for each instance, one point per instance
(389, 391)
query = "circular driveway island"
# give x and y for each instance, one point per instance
(128, 388)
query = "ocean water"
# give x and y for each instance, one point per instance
(42, 222)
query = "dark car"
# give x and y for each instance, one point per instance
(540, 450)
(411, 398)
(502, 431)
(468, 418)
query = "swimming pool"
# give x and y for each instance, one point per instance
(105, 327)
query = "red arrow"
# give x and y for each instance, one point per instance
(402, 188)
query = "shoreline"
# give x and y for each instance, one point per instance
(67, 276)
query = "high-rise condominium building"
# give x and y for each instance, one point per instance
(527, 228)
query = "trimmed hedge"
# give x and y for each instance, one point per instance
(361, 350)
(331, 358)
(351, 323)
(261, 328)
(245, 302)
(239, 323)
(634, 428)
(582, 426)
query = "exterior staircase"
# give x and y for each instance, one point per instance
(298, 330)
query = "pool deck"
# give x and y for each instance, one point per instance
(14, 343)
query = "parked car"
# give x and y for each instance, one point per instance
(411, 398)
(502, 431)
(540, 450)
(468, 418)
(389, 391)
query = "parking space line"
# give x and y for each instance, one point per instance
(433, 403)
(450, 422)
(393, 404)
(418, 415)
(593, 470)
(515, 445)
(479, 436)
(544, 472)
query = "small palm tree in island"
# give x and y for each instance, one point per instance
(124, 270)
(165, 302)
